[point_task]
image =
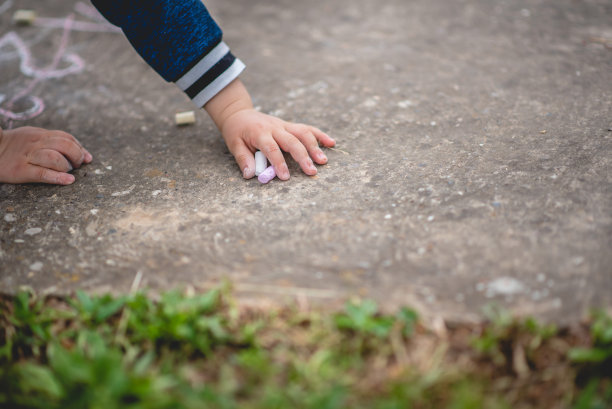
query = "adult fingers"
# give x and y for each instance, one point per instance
(39, 174)
(291, 144)
(272, 151)
(52, 159)
(244, 157)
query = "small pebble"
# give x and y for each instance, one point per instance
(36, 266)
(267, 175)
(9, 217)
(405, 103)
(33, 231)
(505, 286)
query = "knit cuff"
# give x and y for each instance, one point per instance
(211, 74)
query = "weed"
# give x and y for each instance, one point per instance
(601, 333)
(363, 318)
(199, 351)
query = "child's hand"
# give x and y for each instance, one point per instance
(245, 130)
(39, 156)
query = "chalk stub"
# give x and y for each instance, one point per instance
(267, 175)
(261, 162)
(24, 17)
(185, 118)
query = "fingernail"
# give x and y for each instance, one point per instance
(311, 165)
(88, 157)
(284, 171)
(246, 172)
(70, 166)
(68, 179)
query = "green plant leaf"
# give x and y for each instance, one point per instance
(38, 379)
(589, 354)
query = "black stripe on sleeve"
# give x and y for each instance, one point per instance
(210, 75)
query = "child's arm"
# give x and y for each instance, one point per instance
(246, 130)
(34, 155)
(180, 40)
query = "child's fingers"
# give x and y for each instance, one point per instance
(294, 146)
(39, 174)
(275, 156)
(87, 157)
(67, 147)
(52, 159)
(312, 145)
(72, 138)
(323, 138)
(244, 157)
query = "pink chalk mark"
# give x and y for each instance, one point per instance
(88, 11)
(267, 175)
(39, 75)
(101, 27)
(27, 67)
(5, 6)
(37, 107)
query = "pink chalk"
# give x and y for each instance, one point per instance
(267, 175)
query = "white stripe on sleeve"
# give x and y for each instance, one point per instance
(219, 83)
(205, 64)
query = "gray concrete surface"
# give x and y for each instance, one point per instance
(473, 160)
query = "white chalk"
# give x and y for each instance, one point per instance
(267, 175)
(24, 17)
(261, 163)
(185, 118)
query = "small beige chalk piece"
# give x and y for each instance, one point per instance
(24, 17)
(185, 118)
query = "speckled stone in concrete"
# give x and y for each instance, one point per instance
(473, 161)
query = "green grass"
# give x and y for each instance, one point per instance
(202, 351)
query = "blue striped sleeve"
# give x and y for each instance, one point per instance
(178, 39)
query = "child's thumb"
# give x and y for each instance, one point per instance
(245, 159)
